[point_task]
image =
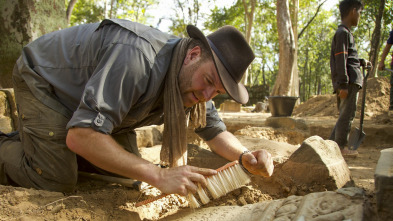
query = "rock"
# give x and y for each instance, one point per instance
(317, 163)
(261, 107)
(286, 122)
(149, 136)
(384, 185)
(320, 206)
(8, 113)
(230, 106)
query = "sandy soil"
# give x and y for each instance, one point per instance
(377, 103)
(97, 200)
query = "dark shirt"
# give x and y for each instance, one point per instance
(108, 76)
(344, 61)
(390, 41)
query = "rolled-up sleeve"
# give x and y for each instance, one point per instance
(214, 124)
(117, 83)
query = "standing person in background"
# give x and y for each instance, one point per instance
(347, 78)
(381, 67)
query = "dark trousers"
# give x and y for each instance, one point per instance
(38, 157)
(347, 109)
(391, 89)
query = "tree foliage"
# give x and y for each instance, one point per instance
(89, 11)
(187, 13)
(134, 10)
(86, 11)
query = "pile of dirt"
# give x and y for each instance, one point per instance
(377, 103)
(290, 136)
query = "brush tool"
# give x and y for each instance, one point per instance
(228, 178)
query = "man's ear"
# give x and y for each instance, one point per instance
(354, 11)
(192, 54)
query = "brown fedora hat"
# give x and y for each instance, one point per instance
(231, 54)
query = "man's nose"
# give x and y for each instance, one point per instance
(209, 93)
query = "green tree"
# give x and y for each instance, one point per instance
(187, 12)
(134, 10)
(87, 11)
(314, 50)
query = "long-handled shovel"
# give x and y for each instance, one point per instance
(357, 136)
(388, 69)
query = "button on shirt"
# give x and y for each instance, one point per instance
(344, 61)
(108, 76)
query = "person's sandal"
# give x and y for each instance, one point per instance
(346, 153)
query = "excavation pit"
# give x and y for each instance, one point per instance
(281, 199)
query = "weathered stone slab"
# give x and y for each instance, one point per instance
(317, 163)
(149, 136)
(329, 205)
(8, 115)
(384, 185)
(230, 106)
(261, 107)
(286, 122)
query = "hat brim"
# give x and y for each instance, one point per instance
(237, 91)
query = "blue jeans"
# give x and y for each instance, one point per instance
(347, 109)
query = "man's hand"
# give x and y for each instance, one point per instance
(182, 180)
(365, 63)
(258, 162)
(343, 93)
(369, 65)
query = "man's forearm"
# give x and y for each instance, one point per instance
(103, 151)
(226, 145)
(385, 52)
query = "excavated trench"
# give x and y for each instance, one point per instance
(281, 137)
(276, 198)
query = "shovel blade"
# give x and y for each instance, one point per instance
(355, 139)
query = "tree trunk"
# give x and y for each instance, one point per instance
(263, 74)
(70, 7)
(319, 91)
(295, 75)
(21, 22)
(375, 40)
(111, 9)
(249, 20)
(287, 48)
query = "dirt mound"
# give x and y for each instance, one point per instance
(377, 103)
(291, 136)
(377, 97)
(317, 105)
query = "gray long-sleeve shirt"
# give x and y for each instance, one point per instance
(107, 76)
(344, 61)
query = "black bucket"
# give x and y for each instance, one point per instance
(282, 106)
